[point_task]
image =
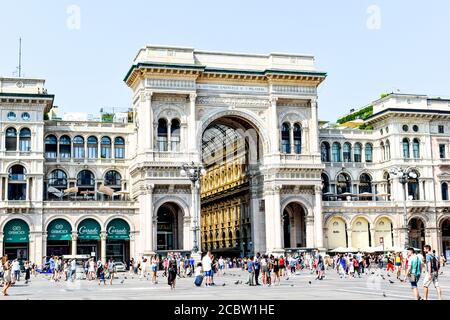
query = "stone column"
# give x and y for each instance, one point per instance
(349, 237)
(291, 137)
(373, 241)
(309, 231)
(44, 245)
(1, 244)
(149, 137)
(318, 217)
(192, 127)
(274, 130)
(133, 253)
(147, 230)
(273, 219)
(169, 136)
(314, 135)
(103, 246)
(74, 242)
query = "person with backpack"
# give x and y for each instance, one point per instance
(251, 271)
(414, 271)
(432, 267)
(256, 266)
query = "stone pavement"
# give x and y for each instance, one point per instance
(298, 287)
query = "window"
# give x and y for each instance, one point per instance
(11, 139)
(406, 148)
(344, 183)
(162, 135)
(50, 147)
(369, 152)
(357, 152)
(175, 135)
(416, 148)
(85, 179)
(444, 191)
(106, 148)
(92, 146)
(383, 151)
(58, 179)
(336, 152)
(119, 148)
(365, 185)
(11, 116)
(297, 139)
(413, 188)
(347, 152)
(441, 129)
(388, 150)
(285, 138)
(78, 147)
(113, 179)
(17, 186)
(25, 116)
(405, 128)
(325, 183)
(415, 128)
(25, 140)
(325, 151)
(64, 147)
(442, 151)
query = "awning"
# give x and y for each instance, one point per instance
(89, 229)
(59, 230)
(16, 231)
(71, 190)
(55, 191)
(106, 190)
(118, 229)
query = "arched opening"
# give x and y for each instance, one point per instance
(294, 226)
(231, 150)
(413, 186)
(17, 185)
(88, 240)
(51, 147)
(416, 148)
(325, 152)
(86, 185)
(11, 139)
(162, 135)
(365, 187)
(445, 234)
(65, 147)
(57, 183)
(25, 140)
(388, 150)
(357, 152)
(16, 240)
(119, 148)
(169, 227)
(118, 240)
(78, 147)
(337, 233)
(336, 152)
(343, 184)
(92, 146)
(113, 183)
(325, 186)
(444, 191)
(387, 185)
(105, 148)
(382, 151)
(369, 152)
(175, 133)
(361, 233)
(297, 139)
(59, 238)
(285, 138)
(347, 152)
(384, 233)
(416, 233)
(405, 145)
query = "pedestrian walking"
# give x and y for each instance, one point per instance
(206, 265)
(7, 277)
(414, 271)
(16, 270)
(100, 273)
(432, 267)
(73, 269)
(27, 268)
(257, 267)
(251, 271)
(111, 270)
(155, 264)
(172, 273)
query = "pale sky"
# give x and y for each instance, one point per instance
(366, 47)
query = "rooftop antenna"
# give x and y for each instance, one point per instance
(20, 57)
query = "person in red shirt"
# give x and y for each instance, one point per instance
(390, 265)
(282, 266)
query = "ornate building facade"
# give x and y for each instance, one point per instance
(275, 179)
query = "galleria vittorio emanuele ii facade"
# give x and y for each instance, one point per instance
(274, 177)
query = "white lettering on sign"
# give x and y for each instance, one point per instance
(223, 87)
(85, 230)
(117, 231)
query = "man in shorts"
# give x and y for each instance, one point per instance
(431, 272)
(414, 271)
(207, 268)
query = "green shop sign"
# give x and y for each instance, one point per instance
(59, 230)
(89, 229)
(118, 229)
(16, 231)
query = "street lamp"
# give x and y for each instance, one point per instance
(403, 175)
(194, 172)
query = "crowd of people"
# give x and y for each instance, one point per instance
(261, 269)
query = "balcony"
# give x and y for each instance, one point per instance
(70, 203)
(17, 204)
(382, 203)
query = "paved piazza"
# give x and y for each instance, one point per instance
(368, 287)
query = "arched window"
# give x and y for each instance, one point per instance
(285, 138)
(325, 186)
(369, 152)
(297, 139)
(406, 148)
(336, 152)
(64, 147)
(344, 183)
(86, 184)
(25, 140)
(162, 135)
(92, 146)
(347, 152)
(416, 148)
(325, 151)
(17, 186)
(57, 182)
(175, 135)
(11, 139)
(106, 148)
(413, 187)
(444, 191)
(51, 147)
(78, 147)
(387, 179)
(365, 185)
(388, 150)
(119, 148)
(357, 152)
(113, 179)
(383, 151)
